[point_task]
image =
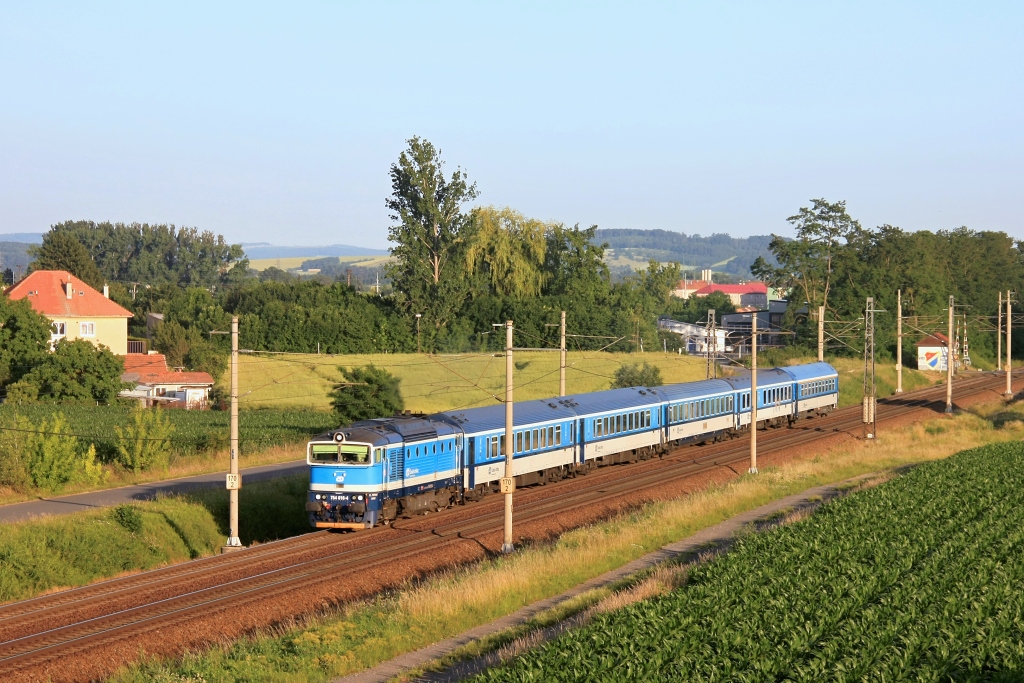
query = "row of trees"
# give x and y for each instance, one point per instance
(837, 263)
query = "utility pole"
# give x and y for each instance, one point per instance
(234, 480)
(868, 402)
(508, 483)
(999, 335)
(821, 333)
(561, 361)
(710, 346)
(949, 360)
(419, 348)
(899, 341)
(1009, 339)
(753, 393)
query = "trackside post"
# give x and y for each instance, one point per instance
(753, 393)
(508, 484)
(234, 480)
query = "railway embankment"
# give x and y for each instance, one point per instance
(356, 635)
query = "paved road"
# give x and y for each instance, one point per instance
(78, 502)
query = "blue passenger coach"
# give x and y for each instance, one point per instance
(376, 470)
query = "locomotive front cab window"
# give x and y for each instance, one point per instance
(344, 453)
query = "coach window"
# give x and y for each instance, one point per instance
(519, 442)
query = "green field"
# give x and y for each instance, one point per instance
(194, 430)
(293, 262)
(916, 579)
(431, 383)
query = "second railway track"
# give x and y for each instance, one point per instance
(35, 633)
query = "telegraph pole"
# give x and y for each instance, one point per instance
(949, 361)
(419, 348)
(821, 333)
(999, 335)
(561, 362)
(1009, 338)
(710, 346)
(753, 393)
(869, 402)
(899, 341)
(234, 480)
(508, 483)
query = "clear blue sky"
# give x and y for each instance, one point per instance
(278, 122)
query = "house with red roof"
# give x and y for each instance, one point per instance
(156, 383)
(76, 310)
(743, 295)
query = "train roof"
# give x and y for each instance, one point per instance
(765, 378)
(809, 371)
(490, 418)
(688, 390)
(387, 430)
(614, 399)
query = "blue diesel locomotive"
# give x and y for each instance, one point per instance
(376, 470)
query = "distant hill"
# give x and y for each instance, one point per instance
(23, 237)
(14, 255)
(720, 252)
(267, 251)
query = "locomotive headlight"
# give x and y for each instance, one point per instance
(318, 496)
(339, 437)
(359, 497)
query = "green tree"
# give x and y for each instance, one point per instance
(635, 375)
(429, 233)
(61, 251)
(807, 264)
(145, 443)
(24, 339)
(574, 263)
(509, 248)
(366, 393)
(76, 372)
(156, 254)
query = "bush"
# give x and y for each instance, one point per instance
(55, 458)
(366, 393)
(637, 376)
(145, 443)
(127, 516)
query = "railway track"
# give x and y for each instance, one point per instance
(35, 633)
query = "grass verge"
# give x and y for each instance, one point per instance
(364, 634)
(48, 554)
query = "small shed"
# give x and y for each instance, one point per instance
(933, 352)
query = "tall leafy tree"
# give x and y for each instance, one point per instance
(574, 262)
(509, 248)
(61, 251)
(807, 264)
(429, 233)
(24, 339)
(156, 254)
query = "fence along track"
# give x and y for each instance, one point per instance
(23, 653)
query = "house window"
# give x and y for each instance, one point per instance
(87, 329)
(59, 330)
